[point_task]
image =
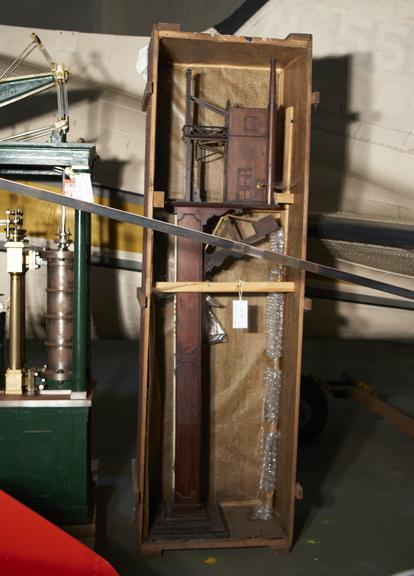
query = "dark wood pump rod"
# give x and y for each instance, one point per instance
(271, 138)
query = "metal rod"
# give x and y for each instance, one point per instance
(43, 50)
(80, 304)
(35, 133)
(16, 331)
(88, 292)
(203, 237)
(63, 220)
(271, 139)
(188, 146)
(16, 63)
(28, 94)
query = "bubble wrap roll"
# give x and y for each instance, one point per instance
(274, 325)
(272, 379)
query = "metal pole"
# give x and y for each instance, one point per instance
(204, 237)
(88, 292)
(16, 333)
(80, 303)
(188, 146)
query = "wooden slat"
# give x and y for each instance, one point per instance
(147, 95)
(288, 149)
(284, 198)
(266, 287)
(298, 84)
(147, 271)
(218, 50)
(159, 199)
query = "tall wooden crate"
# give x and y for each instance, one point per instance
(235, 68)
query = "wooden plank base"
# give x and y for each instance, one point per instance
(244, 532)
(172, 524)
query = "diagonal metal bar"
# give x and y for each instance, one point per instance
(232, 245)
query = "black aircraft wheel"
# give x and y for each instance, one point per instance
(313, 413)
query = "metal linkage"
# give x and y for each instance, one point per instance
(30, 134)
(35, 43)
(22, 57)
(203, 237)
(13, 89)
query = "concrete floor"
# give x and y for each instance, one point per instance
(357, 514)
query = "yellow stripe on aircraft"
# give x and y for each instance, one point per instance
(42, 220)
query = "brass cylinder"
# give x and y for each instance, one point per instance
(16, 345)
(59, 324)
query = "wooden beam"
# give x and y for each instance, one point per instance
(288, 149)
(284, 197)
(232, 287)
(158, 199)
(396, 417)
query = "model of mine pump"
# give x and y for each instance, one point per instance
(44, 410)
(219, 394)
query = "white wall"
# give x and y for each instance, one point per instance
(362, 140)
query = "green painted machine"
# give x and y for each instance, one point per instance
(45, 411)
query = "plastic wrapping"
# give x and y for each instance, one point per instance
(274, 325)
(215, 331)
(277, 240)
(272, 378)
(269, 455)
(269, 442)
(272, 381)
(275, 302)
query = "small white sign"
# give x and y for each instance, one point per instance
(79, 187)
(240, 314)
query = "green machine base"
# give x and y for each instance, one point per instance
(44, 456)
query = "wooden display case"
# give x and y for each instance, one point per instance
(201, 405)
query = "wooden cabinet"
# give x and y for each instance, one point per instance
(202, 425)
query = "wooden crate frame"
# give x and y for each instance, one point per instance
(294, 57)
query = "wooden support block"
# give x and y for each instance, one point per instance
(149, 86)
(307, 304)
(171, 26)
(288, 148)
(158, 199)
(141, 297)
(216, 287)
(284, 198)
(298, 491)
(316, 98)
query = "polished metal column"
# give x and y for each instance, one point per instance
(59, 315)
(16, 331)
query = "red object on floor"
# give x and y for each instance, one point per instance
(33, 546)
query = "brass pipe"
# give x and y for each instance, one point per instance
(16, 345)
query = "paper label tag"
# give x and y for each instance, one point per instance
(240, 314)
(79, 187)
